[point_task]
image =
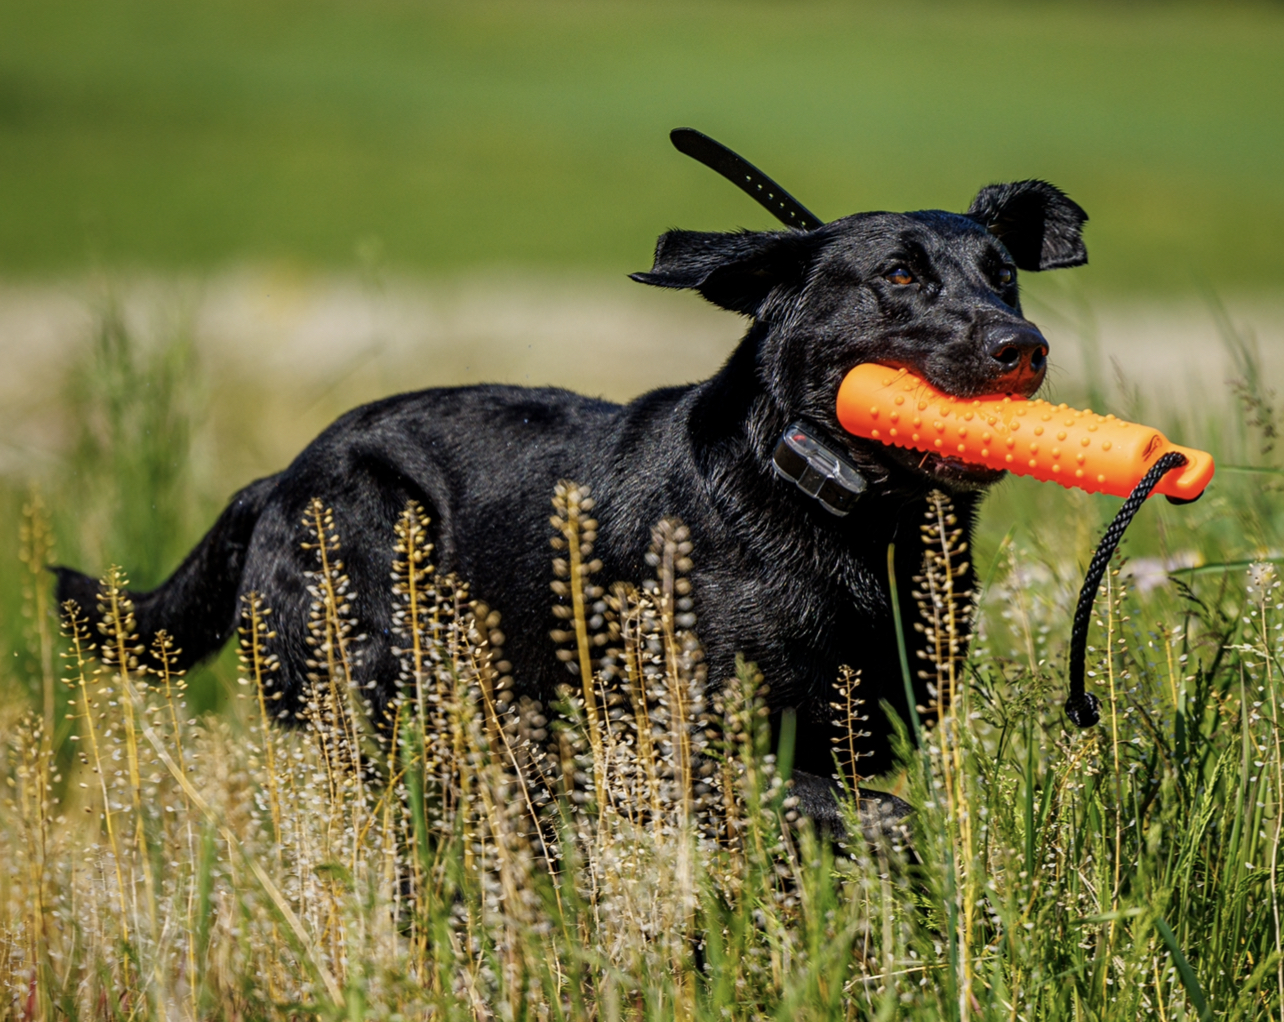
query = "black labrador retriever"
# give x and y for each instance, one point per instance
(777, 577)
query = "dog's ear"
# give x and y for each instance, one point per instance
(1037, 223)
(736, 271)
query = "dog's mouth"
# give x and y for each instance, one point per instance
(955, 473)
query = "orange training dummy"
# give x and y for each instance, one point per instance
(1097, 453)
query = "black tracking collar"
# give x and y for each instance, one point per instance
(817, 470)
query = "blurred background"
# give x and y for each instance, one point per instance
(221, 224)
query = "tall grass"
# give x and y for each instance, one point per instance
(135, 407)
(633, 850)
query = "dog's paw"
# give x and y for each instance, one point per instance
(883, 818)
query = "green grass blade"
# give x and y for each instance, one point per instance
(1184, 969)
(910, 701)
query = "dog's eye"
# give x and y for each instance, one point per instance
(1006, 275)
(899, 276)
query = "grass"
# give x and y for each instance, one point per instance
(451, 136)
(633, 852)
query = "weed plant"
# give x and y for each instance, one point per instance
(633, 849)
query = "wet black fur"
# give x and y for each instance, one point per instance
(776, 577)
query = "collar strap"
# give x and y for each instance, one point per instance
(817, 470)
(745, 176)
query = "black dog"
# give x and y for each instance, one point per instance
(777, 577)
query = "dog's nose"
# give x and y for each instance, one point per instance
(1020, 356)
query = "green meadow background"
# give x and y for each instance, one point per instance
(450, 137)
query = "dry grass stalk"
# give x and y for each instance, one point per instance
(259, 668)
(575, 535)
(77, 632)
(849, 722)
(946, 618)
(331, 706)
(36, 552)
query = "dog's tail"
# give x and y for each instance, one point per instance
(197, 604)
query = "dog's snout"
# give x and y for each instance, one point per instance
(1014, 347)
(1020, 356)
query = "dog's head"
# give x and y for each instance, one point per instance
(931, 291)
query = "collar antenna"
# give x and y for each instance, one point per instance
(745, 176)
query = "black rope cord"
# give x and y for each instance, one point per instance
(1083, 708)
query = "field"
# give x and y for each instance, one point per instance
(448, 136)
(225, 224)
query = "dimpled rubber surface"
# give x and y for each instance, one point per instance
(1055, 443)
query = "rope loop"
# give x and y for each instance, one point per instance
(1083, 708)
